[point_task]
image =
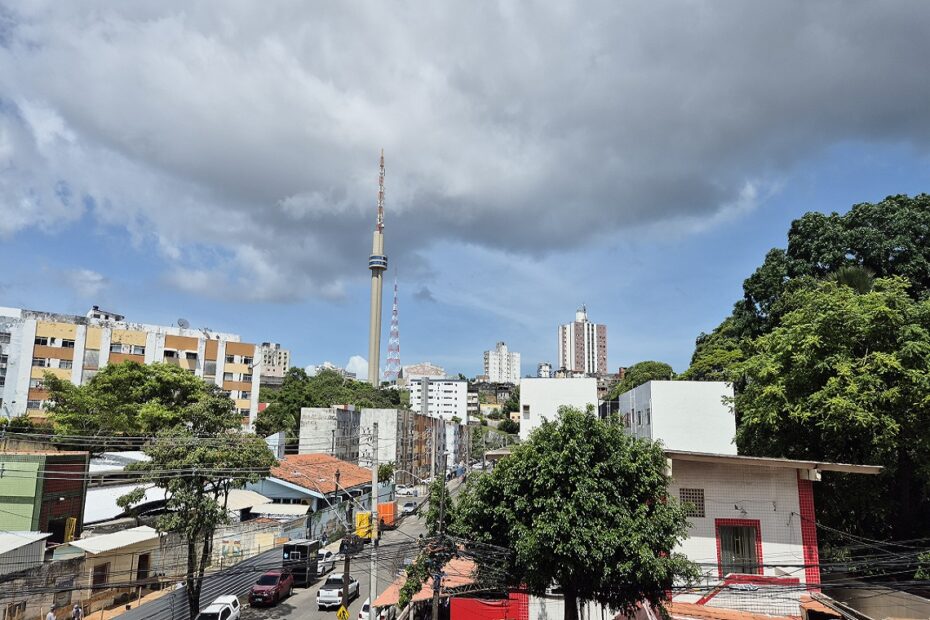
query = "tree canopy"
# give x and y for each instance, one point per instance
(325, 389)
(585, 506)
(641, 372)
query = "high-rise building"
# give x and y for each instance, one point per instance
(377, 263)
(502, 365)
(75, 348)
(544, 370)
(445, 398)
(275, 360)
(583, 345)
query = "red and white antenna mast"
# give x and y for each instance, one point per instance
(392, 368)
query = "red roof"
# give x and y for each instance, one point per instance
(457, 572)
(681, 611)
(317, 472)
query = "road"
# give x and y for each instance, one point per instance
(396, 547)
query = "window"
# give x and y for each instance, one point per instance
(224, 615)
(138, 350)
(648, 417)
(116, 347)
(40, 362)
(246, 377)
(693, 502)
(2, 380)
(4, 359)
(526, 412)
(4, 337)
(35, 384)
(65, 364)
(42, 341)
(101, 572)
(247, 360)
(230, 359)
(169, 354)
(33, 404)
(227, 376)
(639, 418)
(67, 344)
(245, 395)
(739, 547)
(191, 355)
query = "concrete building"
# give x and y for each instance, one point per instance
(401, 440)
(412, 372)
(75, 348)
(502, 365)
(473, 402)
(445, 398)
(683, 415)
(275, 360)
(544, 370)
(335, 430)
(583, 345)
(43, 491)
(315, 369)
(540, 399)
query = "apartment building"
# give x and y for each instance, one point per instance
(583, 345)
(75, 348)
(276, 361)
(445, 398)
(502, 365)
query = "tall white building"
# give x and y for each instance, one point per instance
(583, 345)
(502, 365)
(445, 398)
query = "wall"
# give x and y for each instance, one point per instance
(388, 447)
(22, 558)
(541, 398)
(31, 587)
(768, 495)
(316, 432)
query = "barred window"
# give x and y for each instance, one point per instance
(692, 501)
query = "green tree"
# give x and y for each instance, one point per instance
(385, 472)
(512, 403)
(509, 426)
(207, 455)
(641, 372)
(583, 505)
(845, 376)
(123, 399)
(439, 502)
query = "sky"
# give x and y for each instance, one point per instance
(218, 162)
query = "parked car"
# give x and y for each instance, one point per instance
(325, 561)
(408, 508)
(272, 587)
(403, 489)
(386, 613)
(330, 593)
(223, 608)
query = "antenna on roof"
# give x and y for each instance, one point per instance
(183, 323)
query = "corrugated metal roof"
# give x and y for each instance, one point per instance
(281, 510)
(14, 540)
(101, 501)
(116, 540)
(239, 499)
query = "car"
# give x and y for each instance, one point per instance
(272, 587)
(408, 508)
(386, 613)
(403, 489)
(222, 608)
(330, 593)
(478, 466)
(325, 561)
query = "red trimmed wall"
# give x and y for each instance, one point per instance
(738, 522)
(809, 533)
(515, 607)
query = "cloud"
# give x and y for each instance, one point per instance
(86, 284)
(242, 145)
(358, 365)
(424, 294)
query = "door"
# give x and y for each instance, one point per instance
(142, 570)
(738, 549)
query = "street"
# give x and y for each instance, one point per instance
(396, 547)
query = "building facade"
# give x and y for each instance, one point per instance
(583, 345)
(540, 399)
(75, 348)
(445, 398)
(502, 365)
(334, 430)
(544, 370)
(275, 360)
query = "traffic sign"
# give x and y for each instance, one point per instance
(343, 613)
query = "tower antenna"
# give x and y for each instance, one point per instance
(381, 194)
(392, 369)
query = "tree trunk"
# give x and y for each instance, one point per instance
(571, 603)
(193, 590)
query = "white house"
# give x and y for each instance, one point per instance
(684, 415)
(540, 399)
(445, 398)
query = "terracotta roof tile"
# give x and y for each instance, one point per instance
(317, 472)
(705, 612)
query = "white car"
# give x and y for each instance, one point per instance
(330, 593)
(223, 608)
(403, 489)
(408, 508)
(325, 561)
(386, 613)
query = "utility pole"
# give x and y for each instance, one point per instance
(437, 577)
(373, 523)
(332, 450)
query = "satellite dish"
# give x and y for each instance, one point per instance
(183, 323)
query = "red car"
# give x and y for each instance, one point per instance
(272, 587)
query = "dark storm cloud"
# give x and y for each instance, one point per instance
(243, 143)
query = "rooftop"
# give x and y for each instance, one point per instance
(110, 542)
(14, 540)
(686, 611)
(458, 572)
(317, 472)
(761, 461)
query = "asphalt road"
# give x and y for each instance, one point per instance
(395, 547)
